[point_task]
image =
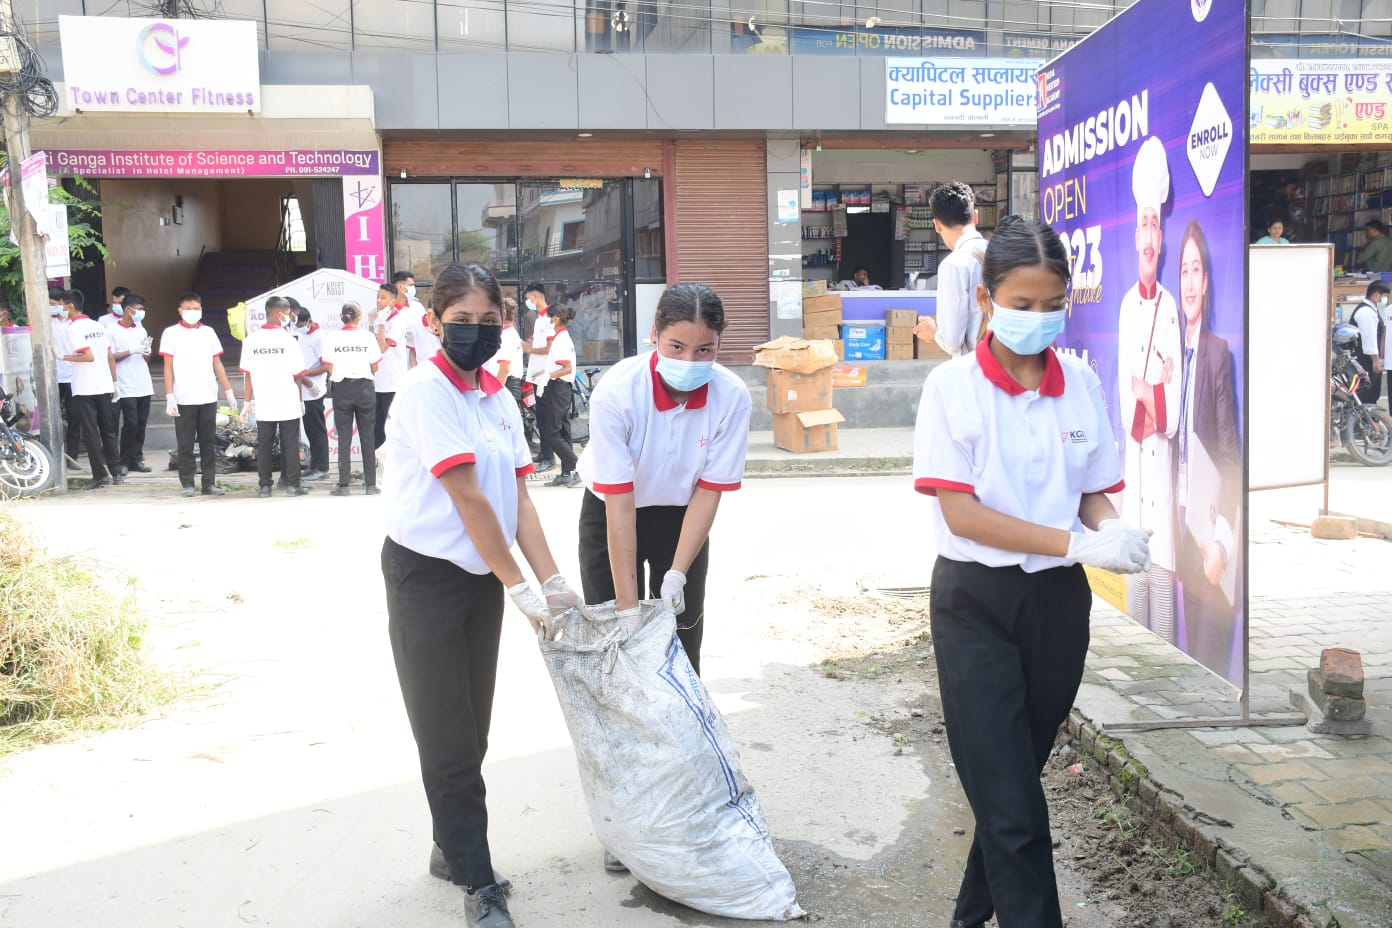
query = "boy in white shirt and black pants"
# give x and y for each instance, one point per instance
(272, 365)
(72, 429)
(312, 391)
(193, 373)
(130, 345)
(94, 390)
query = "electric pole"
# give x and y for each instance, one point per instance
(33, 259)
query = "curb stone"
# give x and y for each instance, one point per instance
(1130, 781)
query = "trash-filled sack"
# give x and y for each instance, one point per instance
(661, 773)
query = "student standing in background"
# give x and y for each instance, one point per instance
(313, 387)
(391, 325)
(94, 391)
(131, 346)
(957, 324)
(193, 373)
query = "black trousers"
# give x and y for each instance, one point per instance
(555, 428)
(1389, 391)
(135, 413)
(97, 415)
(72, 426)
(354, 400)
(1371, 390)
(542, 411)
(379, 430)
(289, 451)
(197, 423)
(444, 625)
(316, 432)
(659, 528)
(1010, 648)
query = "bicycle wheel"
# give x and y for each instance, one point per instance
(1368, 436)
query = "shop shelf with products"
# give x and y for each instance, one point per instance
(1340, 203)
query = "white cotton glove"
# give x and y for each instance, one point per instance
(231, 398)
(1115, 546)
(674, 591)
(559, 596)
(532, 606)
(249, 412)
(171, 406)
(630, 620)
(115, 393)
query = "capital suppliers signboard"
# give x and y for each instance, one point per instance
(1143, 163)
(115, 64)
(960, 91)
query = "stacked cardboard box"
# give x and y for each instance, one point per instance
(799, 393)
(899, 334)
(821, 319)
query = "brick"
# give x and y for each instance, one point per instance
(1357, 838)
(1374, 766)
(1237, 754)
(1295, 793)
(1265, 774)
(1341, 672)
(1114, 674)
(1337, 708)
(1337, 528)
(1361, 812)
(1347, 789)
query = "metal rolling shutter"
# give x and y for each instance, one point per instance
(722, 235)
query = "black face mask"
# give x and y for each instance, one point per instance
(470, 345)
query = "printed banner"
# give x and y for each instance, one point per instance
(1143, 172)
(848, 40)
(334, 162)
(1321, 102)
(958, 91)
(363, 239)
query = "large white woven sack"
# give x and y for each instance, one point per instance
(660, 771)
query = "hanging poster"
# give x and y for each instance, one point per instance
(1321, 102)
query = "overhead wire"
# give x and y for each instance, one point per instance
(28, 82)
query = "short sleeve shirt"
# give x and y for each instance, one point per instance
(395, 360)
(133, 371)
(645, 443)
(510, 351)
(272, 359)
(59, 329)
(1029, 454)
(350, 354)
(90, 378)
(439, 422)
(311, 350)
(193, 348)
(420, 339)
(562, 350)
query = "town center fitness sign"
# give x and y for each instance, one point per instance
(113, 64)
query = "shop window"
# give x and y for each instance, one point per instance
(471, 24)
(422, 229)
(542, 25)
(594, 208)
(379, 24)
(292, 228)
(486, 226)
(309, 25)
(573, 235)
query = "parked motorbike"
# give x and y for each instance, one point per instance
(25, 467)
(1364, 429)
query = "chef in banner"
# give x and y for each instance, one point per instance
(1148, 392)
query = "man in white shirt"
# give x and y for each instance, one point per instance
(542, 332)
(115, 314)
(72, 429)
(391, 324)
(193, 374)
(1367, 317)
(313, 387)
(94, 390)
(272, 366)
(958, 322)
(130, 345)
(1387, 348)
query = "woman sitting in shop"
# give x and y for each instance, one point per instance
(1275, 234)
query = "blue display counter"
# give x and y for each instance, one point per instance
(870, 305)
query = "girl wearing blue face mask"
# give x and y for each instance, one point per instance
(1014, 446)
(668, 432)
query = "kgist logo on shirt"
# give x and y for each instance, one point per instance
(1076, 436)
(268, 351)
(351, 349)
(94, 336)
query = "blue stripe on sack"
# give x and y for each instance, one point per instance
(668, 673)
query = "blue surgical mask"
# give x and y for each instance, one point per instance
(1024, 331)
(684, 376)
(138, 316)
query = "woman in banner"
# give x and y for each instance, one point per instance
(1209, 483)
(1010, 600)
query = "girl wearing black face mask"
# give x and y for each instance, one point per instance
(456, 500)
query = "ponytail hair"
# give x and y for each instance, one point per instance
(350, 313)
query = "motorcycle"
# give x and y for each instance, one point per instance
(1364, 429)
(25, 467)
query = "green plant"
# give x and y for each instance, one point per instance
(1180, 864)
(81, 237)
(1117, 814)
(1233, 915)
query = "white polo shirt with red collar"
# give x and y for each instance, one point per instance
(272, 359)
(439, 422)
(646, 443)
(420, 339)
(193, 348)
(90, 378)
(1030, 454)
(396, 359)
(133, 371)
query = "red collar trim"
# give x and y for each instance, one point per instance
(349, 328)
(542, 311)
(79, 316)
(425, 320)
(126, 325)
(269, 326)
(185, 325)
(486, 381)
(508, 326)
(1051, 385)
(662, 399)
(314, 327)
(1154, 289)
(395, 309)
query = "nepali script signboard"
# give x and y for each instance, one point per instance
(1143, 166)
(1321, 102)
(960, 91)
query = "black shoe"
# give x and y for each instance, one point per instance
(560, 480)
(958, 923)
(371, 490)
(117, 479)
(313, 476)
(263, 492)
(613, 865)
(575, 481)
(440, 870)
(487, 908)
(188, 492)
(297, 491)
(73, 463)
(140, 467)
(214, 491)
(544, 467)
(123, 471)
(340, 490)
(96, 483)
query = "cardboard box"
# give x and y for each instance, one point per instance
(928, 349)
(840, 347)
(849, 375)
(787, 353)
(805, 432)
(789, 391)
(812, 332)
(901, 317)
(864, 341)
(899, 352)
(811, 288)
(821, 320)
(811, 305)
(899, 335)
